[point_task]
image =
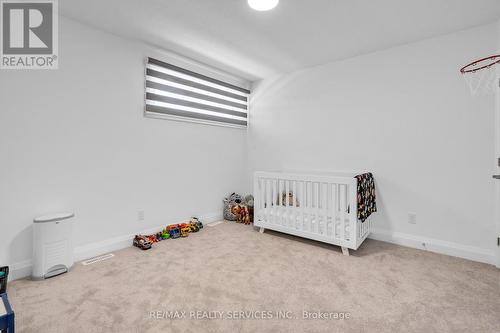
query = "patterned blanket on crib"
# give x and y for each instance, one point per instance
(366, 196)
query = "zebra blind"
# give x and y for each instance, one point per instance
(176, 93)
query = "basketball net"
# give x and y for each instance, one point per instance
(482, 75)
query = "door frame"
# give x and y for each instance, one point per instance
(497, 156)
(497, 169)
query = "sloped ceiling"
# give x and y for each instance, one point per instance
(297, 34)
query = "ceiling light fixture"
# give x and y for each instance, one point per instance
(262, 5)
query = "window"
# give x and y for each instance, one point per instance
(176, 93)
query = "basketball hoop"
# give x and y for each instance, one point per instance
(481, 75)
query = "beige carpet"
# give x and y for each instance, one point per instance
(232, 268)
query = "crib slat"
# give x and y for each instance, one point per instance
(317, 211)
(294, 204)
(302, 205)
(342, 211)
(263, 199)
(279, 193)
(271, 203)
(260, 195)
(335, 201)
(268, 201)
(332, 208)
(286, 218)
(287, 190)
(275, 200)
(324, 193)
(283, 206)
(269, 189)
(351, 224)
(353, 219)
(265, 204)
(280, 202)
(359, 229)
(312, 209)
(309, 206)
(330, 221)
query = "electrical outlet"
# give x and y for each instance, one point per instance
(412, 218)
(140, 215)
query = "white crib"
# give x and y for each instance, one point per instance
(322, 207)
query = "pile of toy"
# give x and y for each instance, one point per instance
(238, 209)
(144, 242)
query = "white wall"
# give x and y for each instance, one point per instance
(76, 139)
(406, 115)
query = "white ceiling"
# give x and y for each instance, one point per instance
(296, 34)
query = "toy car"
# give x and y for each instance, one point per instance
(174, 232)
(171, 226)
(165, 234)
(142, 242)
(159, 236)
(198, 222)
(185, 231)
(152, 238)
(193, 227)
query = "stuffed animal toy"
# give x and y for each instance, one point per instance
(249, 200)
(241, 213)
(290, 197)
(245, 215)
(236, 211)
(229, 202)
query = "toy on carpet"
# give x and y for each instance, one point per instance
(238, 209)
(229, 202)
(152, 238)
(197, 221)
(174, 231)
(241, 213)
(145, 242)
(249, 201)
(142, 242)
(185, 229)
(165, 234)
(193, 227)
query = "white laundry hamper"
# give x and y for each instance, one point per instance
(52, 245)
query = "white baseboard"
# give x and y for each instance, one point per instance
(435, 245)
(23, 269)
(20, 270)
(121, 242)
(211, 218)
